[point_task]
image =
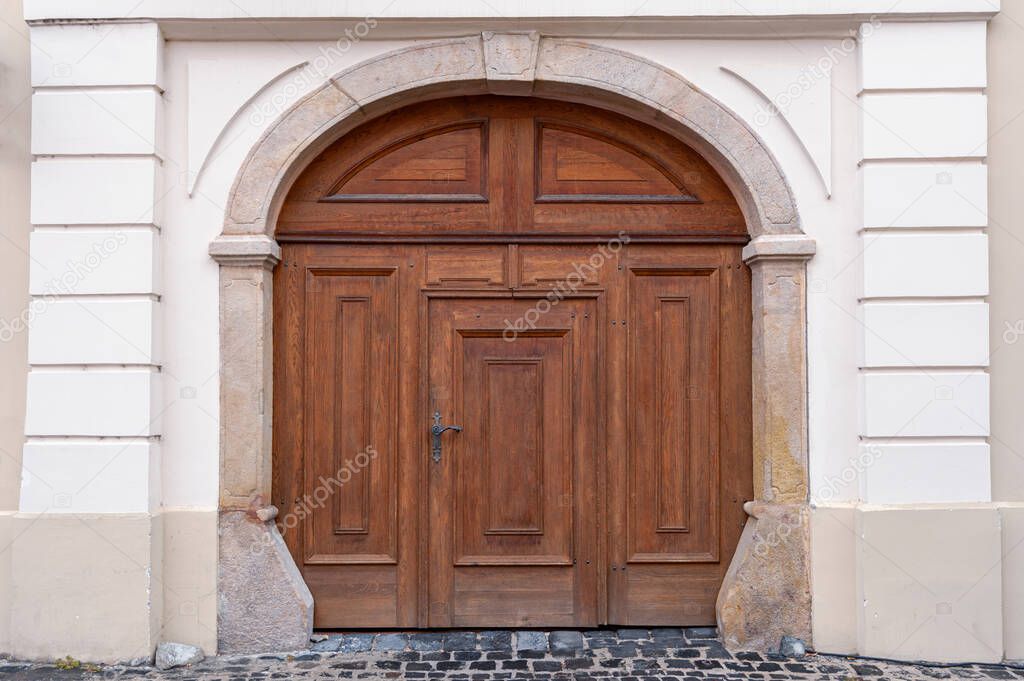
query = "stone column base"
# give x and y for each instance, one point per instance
(263, 605)
(767, 590)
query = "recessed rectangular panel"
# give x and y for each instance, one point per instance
(566, 270)
(675, 455)
(352, 341)
(350, 453)
(466, 266)
(513, 453)
(672, 461)
(515, 448)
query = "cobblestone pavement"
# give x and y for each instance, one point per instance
(663, 654)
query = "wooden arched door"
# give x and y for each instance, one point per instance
(564, 284)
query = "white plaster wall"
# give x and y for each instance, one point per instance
(95, 265)
(924, 312)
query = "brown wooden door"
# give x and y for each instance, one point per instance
(513, 531)
(674, 485)
(344, 477)
(564, 284)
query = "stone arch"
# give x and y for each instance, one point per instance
(262, 602)
(511, 63)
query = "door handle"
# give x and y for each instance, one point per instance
(435, 431)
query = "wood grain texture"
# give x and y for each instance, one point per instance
(503, 494)
(492, 165)
(604, 393)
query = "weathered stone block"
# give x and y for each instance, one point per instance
(510, 62)
(566, 643)
(766, 593)
(262, 603)
(531, 640)
(170, 655)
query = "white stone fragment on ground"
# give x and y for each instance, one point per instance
(169, 655)
(791, 646)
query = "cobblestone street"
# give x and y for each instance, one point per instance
(663, 654)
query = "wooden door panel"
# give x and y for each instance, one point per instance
(503, 504)
(513, 509)
(354, 596)
(675, 509)
(566, 269)
(467, 266)
(444, 165)
(658, 595)
(493, 165)
(576, 165)
(672, 456)
(342, 475)
(515, 450)
(351, 404)
(530, 596)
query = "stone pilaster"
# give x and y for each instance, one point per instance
(766, 593)
(779, 305)
(262, 602)
(246, 367)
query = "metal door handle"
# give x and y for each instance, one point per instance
(435, 431)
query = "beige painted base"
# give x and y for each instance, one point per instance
(190, 578)
(6, 586)
(86, 586)
(930, 583)
(1012, 516)
(833, 580)
(107, 588)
